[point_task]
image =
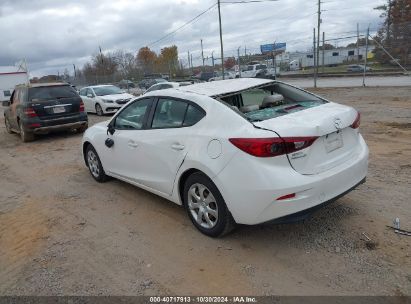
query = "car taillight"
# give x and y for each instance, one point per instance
(29, 112)
(269, 147)
(81, 106)
(357, 121)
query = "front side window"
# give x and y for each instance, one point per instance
(132, 117)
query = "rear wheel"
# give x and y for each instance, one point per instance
(94, 165)
(99, 110)
(8, 126)
(206, 207)
(25, 136)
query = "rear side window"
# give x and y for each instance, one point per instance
(7, 93)
(171, 113)
(52, 92)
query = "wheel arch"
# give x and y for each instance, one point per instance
(86, 144)
(183, 177)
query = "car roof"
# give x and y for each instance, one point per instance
(223, 87)
(100, 86)
(45, 84)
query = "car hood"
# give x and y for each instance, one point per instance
(117, 96)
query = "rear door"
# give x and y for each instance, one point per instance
(166, 142)
(53, 102)
(15, 102)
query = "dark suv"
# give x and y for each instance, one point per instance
(42, 108)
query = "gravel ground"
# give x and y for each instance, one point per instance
(61, 233)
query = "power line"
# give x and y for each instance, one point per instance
(246, 1)
(184, 25)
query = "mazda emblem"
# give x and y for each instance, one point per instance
(337, 123)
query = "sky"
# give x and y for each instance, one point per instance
(52, 35)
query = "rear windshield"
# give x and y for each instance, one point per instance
(52, 92)
(268, 102)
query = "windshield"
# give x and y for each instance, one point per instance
(52, 92)
(107, 90)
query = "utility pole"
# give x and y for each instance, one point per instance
(315, 62)
(365, 57)
(323, 52)
(202, 53)
(212, 59)
(191, 60)
(239, 64)
(358, 43)
(188, 57)
(74, 67)
(221, 38)
(318, 37)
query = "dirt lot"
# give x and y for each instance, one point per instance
(63, 233)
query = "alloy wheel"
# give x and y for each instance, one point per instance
(99, 110)
(203, 206)
(93, 163)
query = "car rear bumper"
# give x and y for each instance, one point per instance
(73, 125)
(43, 126)
(251, 189)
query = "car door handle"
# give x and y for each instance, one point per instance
(132, 144)
(177, 147)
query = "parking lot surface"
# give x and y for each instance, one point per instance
(62, 233)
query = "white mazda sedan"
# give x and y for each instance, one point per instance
(244, 151)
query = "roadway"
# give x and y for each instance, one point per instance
(329, 82)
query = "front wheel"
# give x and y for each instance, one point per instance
(206, 207)
(99, 110)
(94, 165)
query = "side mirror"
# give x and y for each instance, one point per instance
(90, 96)
(110, 129)
(6, 103)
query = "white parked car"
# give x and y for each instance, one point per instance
(166, 85)
(103, 99)
(227, 75)
(244, 151)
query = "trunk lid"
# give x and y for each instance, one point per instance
(330, 123)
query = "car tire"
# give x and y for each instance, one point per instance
(8, 126)
(24, 135)
(94, 165)
(202, 198)
(99, 110)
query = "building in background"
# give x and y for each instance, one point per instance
(10, 76)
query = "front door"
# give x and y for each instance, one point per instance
(125, 157)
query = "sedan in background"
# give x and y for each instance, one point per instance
(104, 99)
(244, 151)
(166, 85)
(358, 68)
(219, 76)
